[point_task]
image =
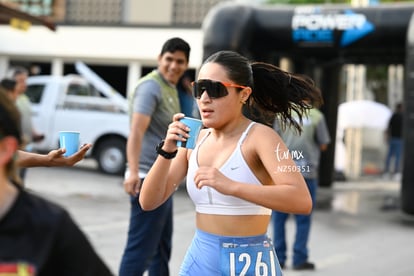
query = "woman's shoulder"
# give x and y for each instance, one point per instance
(262, 129)
(262, 136)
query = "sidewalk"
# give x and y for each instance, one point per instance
(357, 229)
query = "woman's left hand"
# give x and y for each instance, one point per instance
(212, 177)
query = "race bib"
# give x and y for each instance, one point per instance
(248, 257)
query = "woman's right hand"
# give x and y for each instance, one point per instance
(177, 131)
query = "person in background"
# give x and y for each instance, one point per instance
(8, 86)
(54, 158)
(30, 135)
(393, 136)
(151, 107)
(235, 175)
(305, 149)
(35, 70)
(187, 102)
(37, 237)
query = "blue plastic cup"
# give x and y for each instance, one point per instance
(70, 141)
(195, 126)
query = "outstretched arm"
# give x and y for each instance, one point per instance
(54, 158)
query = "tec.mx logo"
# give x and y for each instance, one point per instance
(288, 154)
(295, 155)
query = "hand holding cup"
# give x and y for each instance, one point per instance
(195, 126)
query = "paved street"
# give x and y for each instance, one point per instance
(357, 228)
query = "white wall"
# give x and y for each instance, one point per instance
(114, 45)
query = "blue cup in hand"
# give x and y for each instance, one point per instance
(70, 141)
(195, 126)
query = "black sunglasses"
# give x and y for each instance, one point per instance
(214, 89)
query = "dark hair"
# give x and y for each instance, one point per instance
(10, 126)
(9, 118)
(8, 84)
(176, 44)
(275, 92)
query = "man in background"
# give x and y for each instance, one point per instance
(394, 140)
(305, 149)
(185, 94)
(151, 108)
(30, 135)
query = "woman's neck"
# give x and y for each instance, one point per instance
(233, 129)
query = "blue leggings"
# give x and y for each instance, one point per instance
(204, 254)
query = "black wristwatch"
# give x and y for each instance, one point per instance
(163, 153)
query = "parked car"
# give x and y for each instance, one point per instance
(72, 103)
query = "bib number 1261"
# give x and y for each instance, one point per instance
(245, 264)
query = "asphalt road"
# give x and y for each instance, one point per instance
(357, 228)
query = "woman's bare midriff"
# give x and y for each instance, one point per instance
(225, 225)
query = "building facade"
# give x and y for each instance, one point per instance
(119, 39)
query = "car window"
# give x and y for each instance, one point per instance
(94, 92)
(35, 92)
(78, 90)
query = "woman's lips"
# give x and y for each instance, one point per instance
(206, 112)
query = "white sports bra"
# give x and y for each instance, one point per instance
(209, 201)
